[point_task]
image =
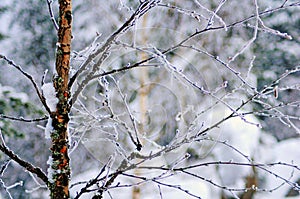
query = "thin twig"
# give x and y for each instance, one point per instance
(137, 143)
(49, 2)
(141, 10)
(23, 119)
(28, 76)
(181, 43)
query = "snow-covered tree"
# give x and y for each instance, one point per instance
(150, 99)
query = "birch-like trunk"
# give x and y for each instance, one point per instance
(60, 166)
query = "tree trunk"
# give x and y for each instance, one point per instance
(60, 165)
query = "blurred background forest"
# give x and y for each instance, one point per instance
(162, 103)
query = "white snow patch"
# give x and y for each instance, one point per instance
(244, 137)
(50, 170)
(11, 93)
(50, 96)
(21, 96)
(286, 152)
(48, 128)
(69, 136)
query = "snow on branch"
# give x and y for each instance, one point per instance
(49, 94)
(26, 165)
(49, 2)
(23, 119)
(28, 76)
(105, 48)
(136, 142)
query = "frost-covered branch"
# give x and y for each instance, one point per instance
(104, 50)
(136, 142)
(227, 65)
(28, 76)
(2, 116)
(264, 167)
(182, 44)
(247, 45)
(49, 2)
(190, 74)
(26, 165)
(90, 183)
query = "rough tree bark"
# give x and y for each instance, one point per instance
(59, 184)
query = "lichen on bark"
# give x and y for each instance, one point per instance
(60, 166)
